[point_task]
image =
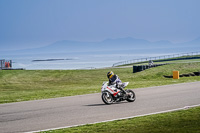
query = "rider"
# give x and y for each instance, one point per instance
(114, 79)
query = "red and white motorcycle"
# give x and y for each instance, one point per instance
(112, 94)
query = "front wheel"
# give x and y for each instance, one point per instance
(131, 96)
(107, 98)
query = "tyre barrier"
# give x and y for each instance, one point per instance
(144, 67)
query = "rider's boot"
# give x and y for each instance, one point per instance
(123, 93)
(122, 90)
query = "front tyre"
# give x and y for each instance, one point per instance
(131, 96)
(107, 98)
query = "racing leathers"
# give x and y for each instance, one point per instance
(115, 80)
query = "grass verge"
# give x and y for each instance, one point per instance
(183, 121)
(24, 85)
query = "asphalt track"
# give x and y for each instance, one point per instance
(75, 110)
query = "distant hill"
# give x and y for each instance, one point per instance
(195, 42)
(67, 46)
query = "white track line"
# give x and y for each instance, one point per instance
(186, 107)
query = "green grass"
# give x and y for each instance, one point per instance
(183, 121)
(24, 85)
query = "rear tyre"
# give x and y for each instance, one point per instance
(131, 96)
(107, 98)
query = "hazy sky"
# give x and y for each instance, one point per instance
(34, 23)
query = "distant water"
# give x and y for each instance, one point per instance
(67, 61)
(84, 60)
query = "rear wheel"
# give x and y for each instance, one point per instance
(107, 97)
(131, 96)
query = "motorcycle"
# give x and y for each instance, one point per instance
(111, 94)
